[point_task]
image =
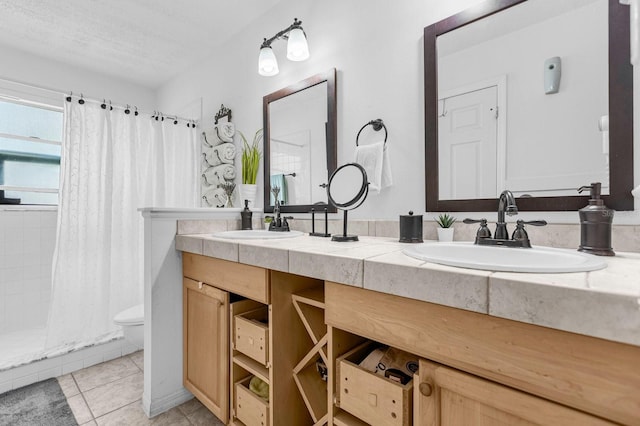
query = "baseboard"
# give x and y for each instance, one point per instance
(56, 366)
(160, 405)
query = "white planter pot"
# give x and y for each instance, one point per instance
(445, 234)
(248, 192)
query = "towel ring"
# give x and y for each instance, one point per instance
(377, 124)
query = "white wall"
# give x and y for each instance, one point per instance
(25, 68)
(377, 49)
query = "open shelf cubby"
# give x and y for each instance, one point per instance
(252, 366)
(342, 418)
(245, 362)
(309, 304)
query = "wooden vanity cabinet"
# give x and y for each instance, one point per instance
(474, 368)
(242, 321)
(207, 287)
(477, 369)
(206, 345)
(449, 397)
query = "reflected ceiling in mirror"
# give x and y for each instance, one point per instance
(300, 143)
(490, 125)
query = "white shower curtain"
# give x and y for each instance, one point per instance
(112, 163)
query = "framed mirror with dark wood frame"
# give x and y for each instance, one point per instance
(300, 137)
(618, 91)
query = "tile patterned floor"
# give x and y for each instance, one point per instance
(110, 394)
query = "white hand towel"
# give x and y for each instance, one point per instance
(387, 178)
(371, 158)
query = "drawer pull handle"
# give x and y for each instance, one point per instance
(200, 285)
(426, 389)
(373, 399)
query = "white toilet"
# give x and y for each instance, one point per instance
(132, 322)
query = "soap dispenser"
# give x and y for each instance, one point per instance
(595, 224)
(246, 216)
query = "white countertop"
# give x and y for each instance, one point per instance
(604, 303)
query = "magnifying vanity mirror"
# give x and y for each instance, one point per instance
(300, 143)
(347, 189)
(494, 119)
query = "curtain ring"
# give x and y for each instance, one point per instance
(81, 100)
(103, 105)
(68, 98)
(110, 106)
(136, 113)
(127, 110)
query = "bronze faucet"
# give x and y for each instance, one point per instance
(278, 224)
(506, 204)
(520, 238)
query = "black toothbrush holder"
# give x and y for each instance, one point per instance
(411, 228)
(313, 232)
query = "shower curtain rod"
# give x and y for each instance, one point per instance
(134, 109)
(59, 92)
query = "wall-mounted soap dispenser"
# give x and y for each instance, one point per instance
(595, 224)
(552, 74)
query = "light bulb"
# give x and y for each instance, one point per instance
(267, 62)
(297, 48)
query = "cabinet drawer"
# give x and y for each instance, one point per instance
(251, 334)
(371, 397)
(250, 408)
(245, 280)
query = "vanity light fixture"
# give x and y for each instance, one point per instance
(297, 48)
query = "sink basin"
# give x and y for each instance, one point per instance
(536, 259)
(257, 234)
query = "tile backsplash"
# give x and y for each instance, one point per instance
(27, 241)
(625, 238)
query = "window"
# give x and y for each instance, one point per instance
(30, 144)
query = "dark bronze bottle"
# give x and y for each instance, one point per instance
(246, 216)
(595, 224)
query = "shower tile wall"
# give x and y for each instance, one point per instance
(27, 240)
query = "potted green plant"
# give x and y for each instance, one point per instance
(267, 221)
(250, 164)
(445, 227)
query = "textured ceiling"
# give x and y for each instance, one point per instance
(143, 41)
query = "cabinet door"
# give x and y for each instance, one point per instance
(449, 397)
(206, 345)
